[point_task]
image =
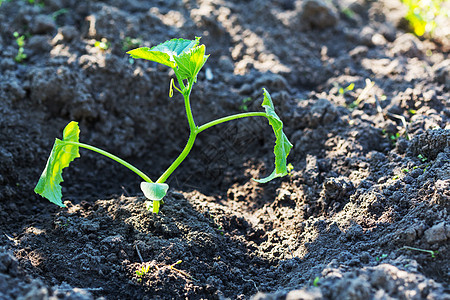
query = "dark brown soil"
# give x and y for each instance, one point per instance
(369, 189)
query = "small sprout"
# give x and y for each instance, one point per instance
(20, 41)
(348, 12)
(396, 177)
(431, 252)
(361, 97)
(381, 257)
(38, 3)
(405, 170)
(289, 168)
(316, 281)
(220, 229)
(342, 90)
(176, 263)
(143, 271)
(393, 137)
(186, 58)
(412, 111)
(103, 44)
(59, 12)
(129, 43)
(245, 102)
(422, 158)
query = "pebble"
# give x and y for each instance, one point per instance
(43, 24)
(317, 14)
(436, 234)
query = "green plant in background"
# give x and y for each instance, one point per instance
(316, 281)
(35, 2)
(342, 90)
(431, 252)
(422, 15)
(379, 258)
(186, 58)
(245, 102)
(130, 43)
(59, 12)
(20, 41)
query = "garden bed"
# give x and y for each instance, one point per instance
(362, 215)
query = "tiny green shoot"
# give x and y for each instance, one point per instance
(290, 168)
(383, 256)
(245, 102)
(422, 158)
(59, 12)
(129, 43)
(186, 58)
(316, 281)
(143, 271)
(20, 41)
(431, 252)
(103, 44)
(342, 90)
(369, 85)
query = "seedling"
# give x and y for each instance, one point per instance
(422, 158)
(20, 41)
(316, 281)
(59, 12)
(129, 43)
(383, 256)
(245, 102)
(431, 252)
(362, 96)
(186, 58)
(289, 169)
(342, 90)
(103, 44)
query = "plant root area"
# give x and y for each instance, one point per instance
(362, 215)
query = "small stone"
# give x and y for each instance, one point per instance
(436, 234)
(69, 32)
(39, 43)
(317, 14)
(43, 24)
(311, 294)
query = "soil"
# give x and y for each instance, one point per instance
(363, 214)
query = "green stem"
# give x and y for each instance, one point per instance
(179, 159)
(187, 104)
(230, 118)
(113, 157)
(193, 131)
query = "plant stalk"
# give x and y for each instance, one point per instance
(113, 157)
(230, 118)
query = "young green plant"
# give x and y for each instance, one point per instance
(20, 41)
(186, 58)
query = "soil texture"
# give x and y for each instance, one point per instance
(362, 215)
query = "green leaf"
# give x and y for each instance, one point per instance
(164, 53)
(282, 144)
(189, 63)
(153, 190)
(61, 156)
